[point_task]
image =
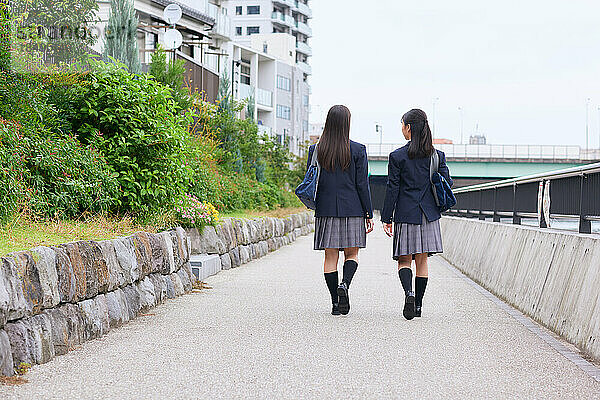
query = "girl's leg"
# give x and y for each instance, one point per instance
(350, 264)
(405, 273)
(420, 281)
(331, 274)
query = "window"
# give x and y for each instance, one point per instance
(238, 30)
(245, 74)
(253, 29)
(283, 83)
(304, 126)
(283, 112)
(305, 100)
(238, 10)
(253, 10)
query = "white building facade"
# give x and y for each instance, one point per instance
(274, 33)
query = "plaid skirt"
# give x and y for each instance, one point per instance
(340, 233)
(410, 239)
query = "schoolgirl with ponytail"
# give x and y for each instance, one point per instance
(410, 206)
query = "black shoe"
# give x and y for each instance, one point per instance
(344, 300)
(417, 311)
(335, 310)
(409, 305)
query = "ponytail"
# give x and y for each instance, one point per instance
(421, 143)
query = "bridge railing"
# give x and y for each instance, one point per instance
(572, 193)
(498, 151)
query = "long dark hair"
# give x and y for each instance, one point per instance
(421, 141)
(334, 145)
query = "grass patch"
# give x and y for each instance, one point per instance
(23, 233)
(278, 213)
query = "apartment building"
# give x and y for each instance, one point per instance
(206, 29)
(277, 30)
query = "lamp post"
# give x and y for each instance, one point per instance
(234, 63)
(460, 109)
(379, 129)
(587, 125)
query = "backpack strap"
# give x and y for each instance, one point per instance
(314, 162)
(434, 164)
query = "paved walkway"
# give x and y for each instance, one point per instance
(265, 331)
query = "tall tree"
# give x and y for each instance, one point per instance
(121, 35)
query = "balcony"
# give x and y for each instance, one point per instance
(303, 9)
(283, 19)
(304, 48)
(245, 91)
(285, 3)
(264, 98)
(303, 28)
(304, 67)
(222, 27)
(265, 130)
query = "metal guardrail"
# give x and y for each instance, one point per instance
(500, 151)
(572, 193)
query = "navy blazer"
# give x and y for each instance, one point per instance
(408, 195)
(345, 193)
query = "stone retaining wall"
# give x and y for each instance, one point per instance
(239, 241)
(55, 298)
(554, 277)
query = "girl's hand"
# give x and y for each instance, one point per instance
(369, 225)
(387, 228)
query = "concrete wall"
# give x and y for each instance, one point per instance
(554, 277)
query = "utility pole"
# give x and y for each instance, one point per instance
(379, 129)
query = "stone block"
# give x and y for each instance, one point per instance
(263, 248)
(253, 251)
(94, 313)
(255, 231)
(68, 328)
(31, 340)
(207, 242)
(187, 268)
(177, 284)
(88, 271)
(6, 359)
(147, 297)
(271, 244)
(169, 264)
(116, 275)
(169, 288)
(235, 257)
(132, 298)
(117, 308)
(12, 301)
(297, 221)
(29, 280)
(226, 261)
(126, 257)
(143, 253)
(159, 253)
(160, 289)
(226, 232)
(244, 255)
(45, 263)
(185, 280)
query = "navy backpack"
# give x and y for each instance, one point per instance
(307, 190)
(442, 193)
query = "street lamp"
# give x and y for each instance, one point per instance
(460, 109)
(234, 64)
(587, 124)
(379, 129)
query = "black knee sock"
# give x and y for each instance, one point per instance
(331, 278)
(420, 285)
(405, 275)
(350, 267)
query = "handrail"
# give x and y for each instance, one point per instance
(562, 173)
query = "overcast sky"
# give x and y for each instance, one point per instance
(521, 70)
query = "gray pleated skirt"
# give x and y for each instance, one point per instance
(340, 233)
(410, 239)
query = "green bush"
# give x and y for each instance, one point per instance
(12, 170)
(134, 122)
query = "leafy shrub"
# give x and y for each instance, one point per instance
(133, 121)
(191, 212)
(12, 170)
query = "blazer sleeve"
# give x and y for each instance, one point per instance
(391, 193)
(311, 149)
(443, 169)
(362, 183)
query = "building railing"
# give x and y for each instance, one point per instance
(304, 48)
(222, 25)
(572, 193)
(501, 151)
(283, 18)
(265, 130)
(303, 28)
(264, 97)
(303, 9)
(285, 3)
(304, 67)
